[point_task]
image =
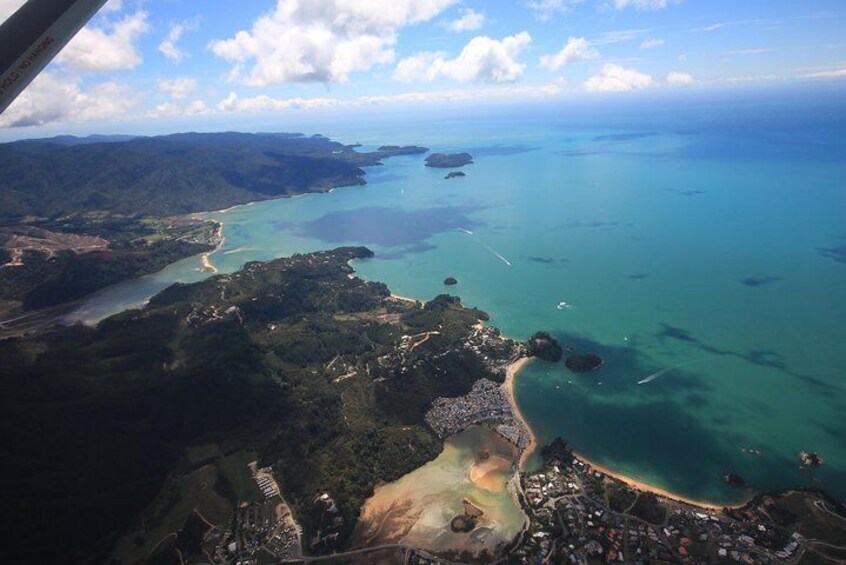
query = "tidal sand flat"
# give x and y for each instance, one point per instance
(470, 476)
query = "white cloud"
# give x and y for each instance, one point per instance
(651, 43)
(482, 59)
(641, 4)
(678, 78)
(263, 103)
(618, 36)
(513, 92)
(615, 78)
(112, 6)
(750, 51)
(835, 73)
(233, 103)
(321, 40)
(179, 87)
(470, 20)
(423, 67)
(762, 23)
(576, 49)
(171, 109)
(168, 47)
(545, 9)
(53, 98)
(110, 48)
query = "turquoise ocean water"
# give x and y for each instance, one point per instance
(705, 234)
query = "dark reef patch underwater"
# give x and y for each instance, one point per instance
(401, 230)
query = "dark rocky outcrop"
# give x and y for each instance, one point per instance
(735, 480)
(462, 524)
(544, 346)
(583, 362)
(450, 281)
(810, 459)
(454, 174)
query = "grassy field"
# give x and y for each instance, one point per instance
(239, 476)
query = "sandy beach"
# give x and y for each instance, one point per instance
(406, 299)
(645, 487)
(511, 374)
(205, 261)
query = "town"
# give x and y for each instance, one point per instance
(579, 514)
(261, 532)
(486, 403)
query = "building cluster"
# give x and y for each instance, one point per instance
(495, 351)
(572, 521)
(486, 403)
(201, 315)
(266, 483)
(261, 532)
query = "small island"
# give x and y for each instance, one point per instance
(810, 459)
(464, 523)
(450, 281)
(395, 150)
(448, 160)
(454, 174)
(544, 346)
(735, 480)
(583, 362)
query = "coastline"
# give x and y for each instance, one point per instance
(206, 264)
(646, 487)
(406, 299)
(511, 373)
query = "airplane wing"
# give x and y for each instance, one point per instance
(33, 35)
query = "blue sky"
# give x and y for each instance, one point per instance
(183, 61)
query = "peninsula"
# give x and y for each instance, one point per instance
(67, 231)
(288, 384)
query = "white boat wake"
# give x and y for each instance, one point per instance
(238, 250)
(663, 372)
(486, 246)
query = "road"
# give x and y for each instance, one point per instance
(385, 547)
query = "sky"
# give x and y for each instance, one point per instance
(185, 61)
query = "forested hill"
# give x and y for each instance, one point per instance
(173, 174)
(291, 362)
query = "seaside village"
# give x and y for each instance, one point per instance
(580, 515)
(262, 532)
(576, 513)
